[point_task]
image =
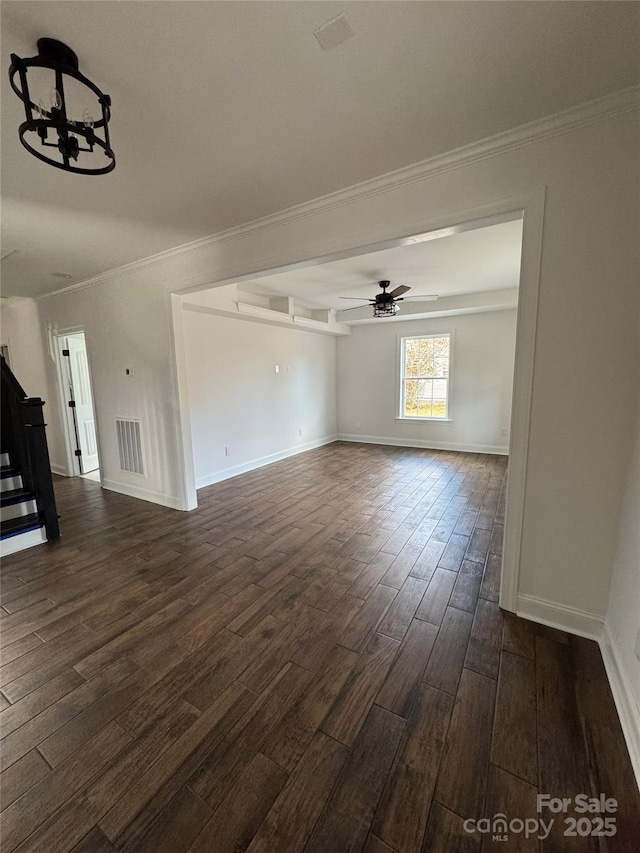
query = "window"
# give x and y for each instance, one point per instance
(424, 377)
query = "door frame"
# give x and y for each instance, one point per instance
(72, 464)
(529, 204)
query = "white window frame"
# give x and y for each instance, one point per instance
(401, 379)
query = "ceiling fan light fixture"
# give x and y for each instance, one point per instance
(385, 304)
(385, 309)
(52, 126)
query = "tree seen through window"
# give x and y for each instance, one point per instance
(425, 377)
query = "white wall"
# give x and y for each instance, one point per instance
(22, 330)
(237, 399)
(578, 452)
(127, 325)
(480, 384)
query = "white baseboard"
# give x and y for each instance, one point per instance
(425, 444)
(144, 494)
(58, 469)
(227, 473)
(623, 696)
(560, 616)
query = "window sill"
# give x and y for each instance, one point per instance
(430, 420)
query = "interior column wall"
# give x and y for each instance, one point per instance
(623, 614)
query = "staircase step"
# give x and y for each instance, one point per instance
(17, 503)
(15, 496)
(21, 524)
(23, 540)
(10, 479)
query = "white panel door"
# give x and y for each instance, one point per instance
(85, 419)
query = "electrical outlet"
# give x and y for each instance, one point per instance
(504, 431)
(277, 368)
(300, 433)
(227, 450)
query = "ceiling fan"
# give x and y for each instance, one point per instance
(386, 304)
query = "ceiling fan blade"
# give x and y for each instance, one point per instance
(359, 298)
(429, 297)
(355, 307)
(398, 291)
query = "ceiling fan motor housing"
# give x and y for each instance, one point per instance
(384, 297)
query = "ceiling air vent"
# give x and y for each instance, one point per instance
(129, 446)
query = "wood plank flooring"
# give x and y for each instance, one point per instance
(314, 660)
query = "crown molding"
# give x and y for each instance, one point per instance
(602, 109)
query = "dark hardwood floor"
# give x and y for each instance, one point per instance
(314, 660)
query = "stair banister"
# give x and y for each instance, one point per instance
(23, 432)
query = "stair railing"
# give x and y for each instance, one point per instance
(24, 436)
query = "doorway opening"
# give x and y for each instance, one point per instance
(528, 207)
(78, 406)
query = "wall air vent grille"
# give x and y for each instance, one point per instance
(130, 446)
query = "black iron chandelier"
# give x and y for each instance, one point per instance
(80, 144)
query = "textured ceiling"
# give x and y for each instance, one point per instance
(227, 111)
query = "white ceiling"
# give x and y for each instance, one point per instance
(227, 111)
(484, 259)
